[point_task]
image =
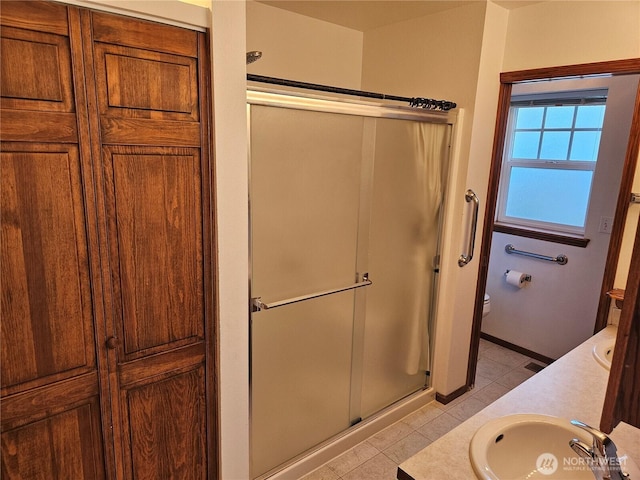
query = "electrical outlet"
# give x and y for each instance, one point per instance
(606, 223)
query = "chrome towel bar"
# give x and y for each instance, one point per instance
(560, 259)
(257, 304)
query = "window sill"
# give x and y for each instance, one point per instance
(538, 235)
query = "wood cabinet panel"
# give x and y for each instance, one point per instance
(146, 35)
(166, 420)
(61, 446)
(35, 71)
(155, 204)
(141, 83)
(47, 17)
(47, 321)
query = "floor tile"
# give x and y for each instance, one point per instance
(515, 377)
(424, 415)
(481, 382)
(322, 473)
(439, 426)
(407, 447)
(379, 467)
(484, 346)
(506, 357)
(353, 458)
(490, 393)
(390, 435)
(490, 369)
(467, 409)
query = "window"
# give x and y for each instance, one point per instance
(550, 156)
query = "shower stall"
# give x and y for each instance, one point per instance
(346, 207)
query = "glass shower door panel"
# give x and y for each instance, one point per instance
(409, 173)
(305, 181)
(301, 358)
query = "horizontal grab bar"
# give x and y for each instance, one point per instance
(257, 304)
(560, 259)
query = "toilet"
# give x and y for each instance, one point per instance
(486, 306)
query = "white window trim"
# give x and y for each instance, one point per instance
(508, 163)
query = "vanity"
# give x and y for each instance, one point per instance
(573, 387)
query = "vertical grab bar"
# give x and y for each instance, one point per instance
(470, 196)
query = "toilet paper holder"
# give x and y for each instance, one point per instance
(527, 277)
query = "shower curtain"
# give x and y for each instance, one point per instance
(430, 143)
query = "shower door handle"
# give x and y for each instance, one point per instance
(470, 196)
(257, 304)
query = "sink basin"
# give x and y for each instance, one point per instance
(603, 352)
(528, 446)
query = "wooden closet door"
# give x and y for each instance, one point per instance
(51, 301)
(151, 127)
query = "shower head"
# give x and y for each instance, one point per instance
(253, 56)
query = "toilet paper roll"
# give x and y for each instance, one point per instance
(516, 278)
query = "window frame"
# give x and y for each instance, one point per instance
(573, 98)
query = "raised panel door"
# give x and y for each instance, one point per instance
(47, 320)
(51, 310)
(154, 198)
(155, 182)
(61, 446)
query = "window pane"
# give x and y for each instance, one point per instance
(525, 145)
(549, 195)
(590, 116)
(529, 117)
(559, 117)
(585, 146)
(555, 145)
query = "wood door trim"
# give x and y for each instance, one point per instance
(210, 259)
(627, 66)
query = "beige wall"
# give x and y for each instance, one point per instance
(570, 32)
(460, 285)
(302, 48)
(427, 56)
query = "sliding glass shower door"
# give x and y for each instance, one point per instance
(343, 237)
(305, 187)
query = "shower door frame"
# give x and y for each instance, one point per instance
(323, 104)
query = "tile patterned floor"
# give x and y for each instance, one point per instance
(377, 458)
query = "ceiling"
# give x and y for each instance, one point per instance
(365, 15)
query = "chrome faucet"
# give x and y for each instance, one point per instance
(601, 456)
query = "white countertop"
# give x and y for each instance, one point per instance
(573, 387)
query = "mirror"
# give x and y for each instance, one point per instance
(628, 320)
